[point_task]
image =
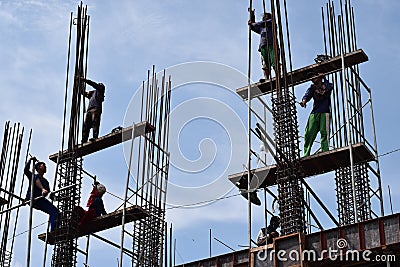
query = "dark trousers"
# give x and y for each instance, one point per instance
(92, 120)
(46, 206)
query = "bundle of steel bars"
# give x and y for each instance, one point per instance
(151, 179)
(9, 160)
(69, 170)
(352, 183)
(286, 133)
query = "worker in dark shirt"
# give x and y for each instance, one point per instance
(41, 188)
(264, 29)
(94, 110)
(267, 235)
(95, 204)
(318, 121)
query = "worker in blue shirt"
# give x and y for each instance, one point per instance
(41, 188)
(319, 119)
(94, 110)
(264, 29)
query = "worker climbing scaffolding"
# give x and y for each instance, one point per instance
(94, 110)
(41, 187)
(266, 49)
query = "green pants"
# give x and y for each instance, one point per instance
(317, 122)
(267, 57)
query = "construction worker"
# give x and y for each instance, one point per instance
(94, 109)
(41, 188)
(264, 28)
(318, 121)
(95, 204)
(267, 235)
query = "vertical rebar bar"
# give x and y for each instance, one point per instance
(249, 127)
(28, 254)
(121, 253)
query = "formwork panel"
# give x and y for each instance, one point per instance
(242, 257)
(352, 237)
(314, 244)
(209, 263)
(332, 238)
(226, 261)
(372, 238)
(291, 245)
(392, 230)
(263, 258)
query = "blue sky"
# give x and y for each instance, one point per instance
(126, 39)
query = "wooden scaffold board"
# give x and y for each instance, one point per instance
(312, 165)
(102, 223)
(107, 141)
(300, 75)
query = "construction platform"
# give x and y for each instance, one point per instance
(107, 141)
(102, 223)
(300, 75)
(3, 201)
(311, 165)
(373, 239)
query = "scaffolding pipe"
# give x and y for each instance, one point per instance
(249, 127)
(126, 195)
(348, 130)
(376, 155)
(28, 254)
(20, 191)
(48, 222)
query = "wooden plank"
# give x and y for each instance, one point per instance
(300, 75)
(312, 165)
(3, 201)
(101, 223)
(107, 141)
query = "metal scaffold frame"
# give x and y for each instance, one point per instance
(148, 189)
(69, 170)
(9, 161)
(358, 186)
(290, 191)
(144, 199)
(284, 147)
(146, 184)
(351, 96)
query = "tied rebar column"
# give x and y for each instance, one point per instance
(65, 247)
(344, 194)
(286, 134)
(69, 171)
(290, 191)
(353, 182)
(151, 174)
